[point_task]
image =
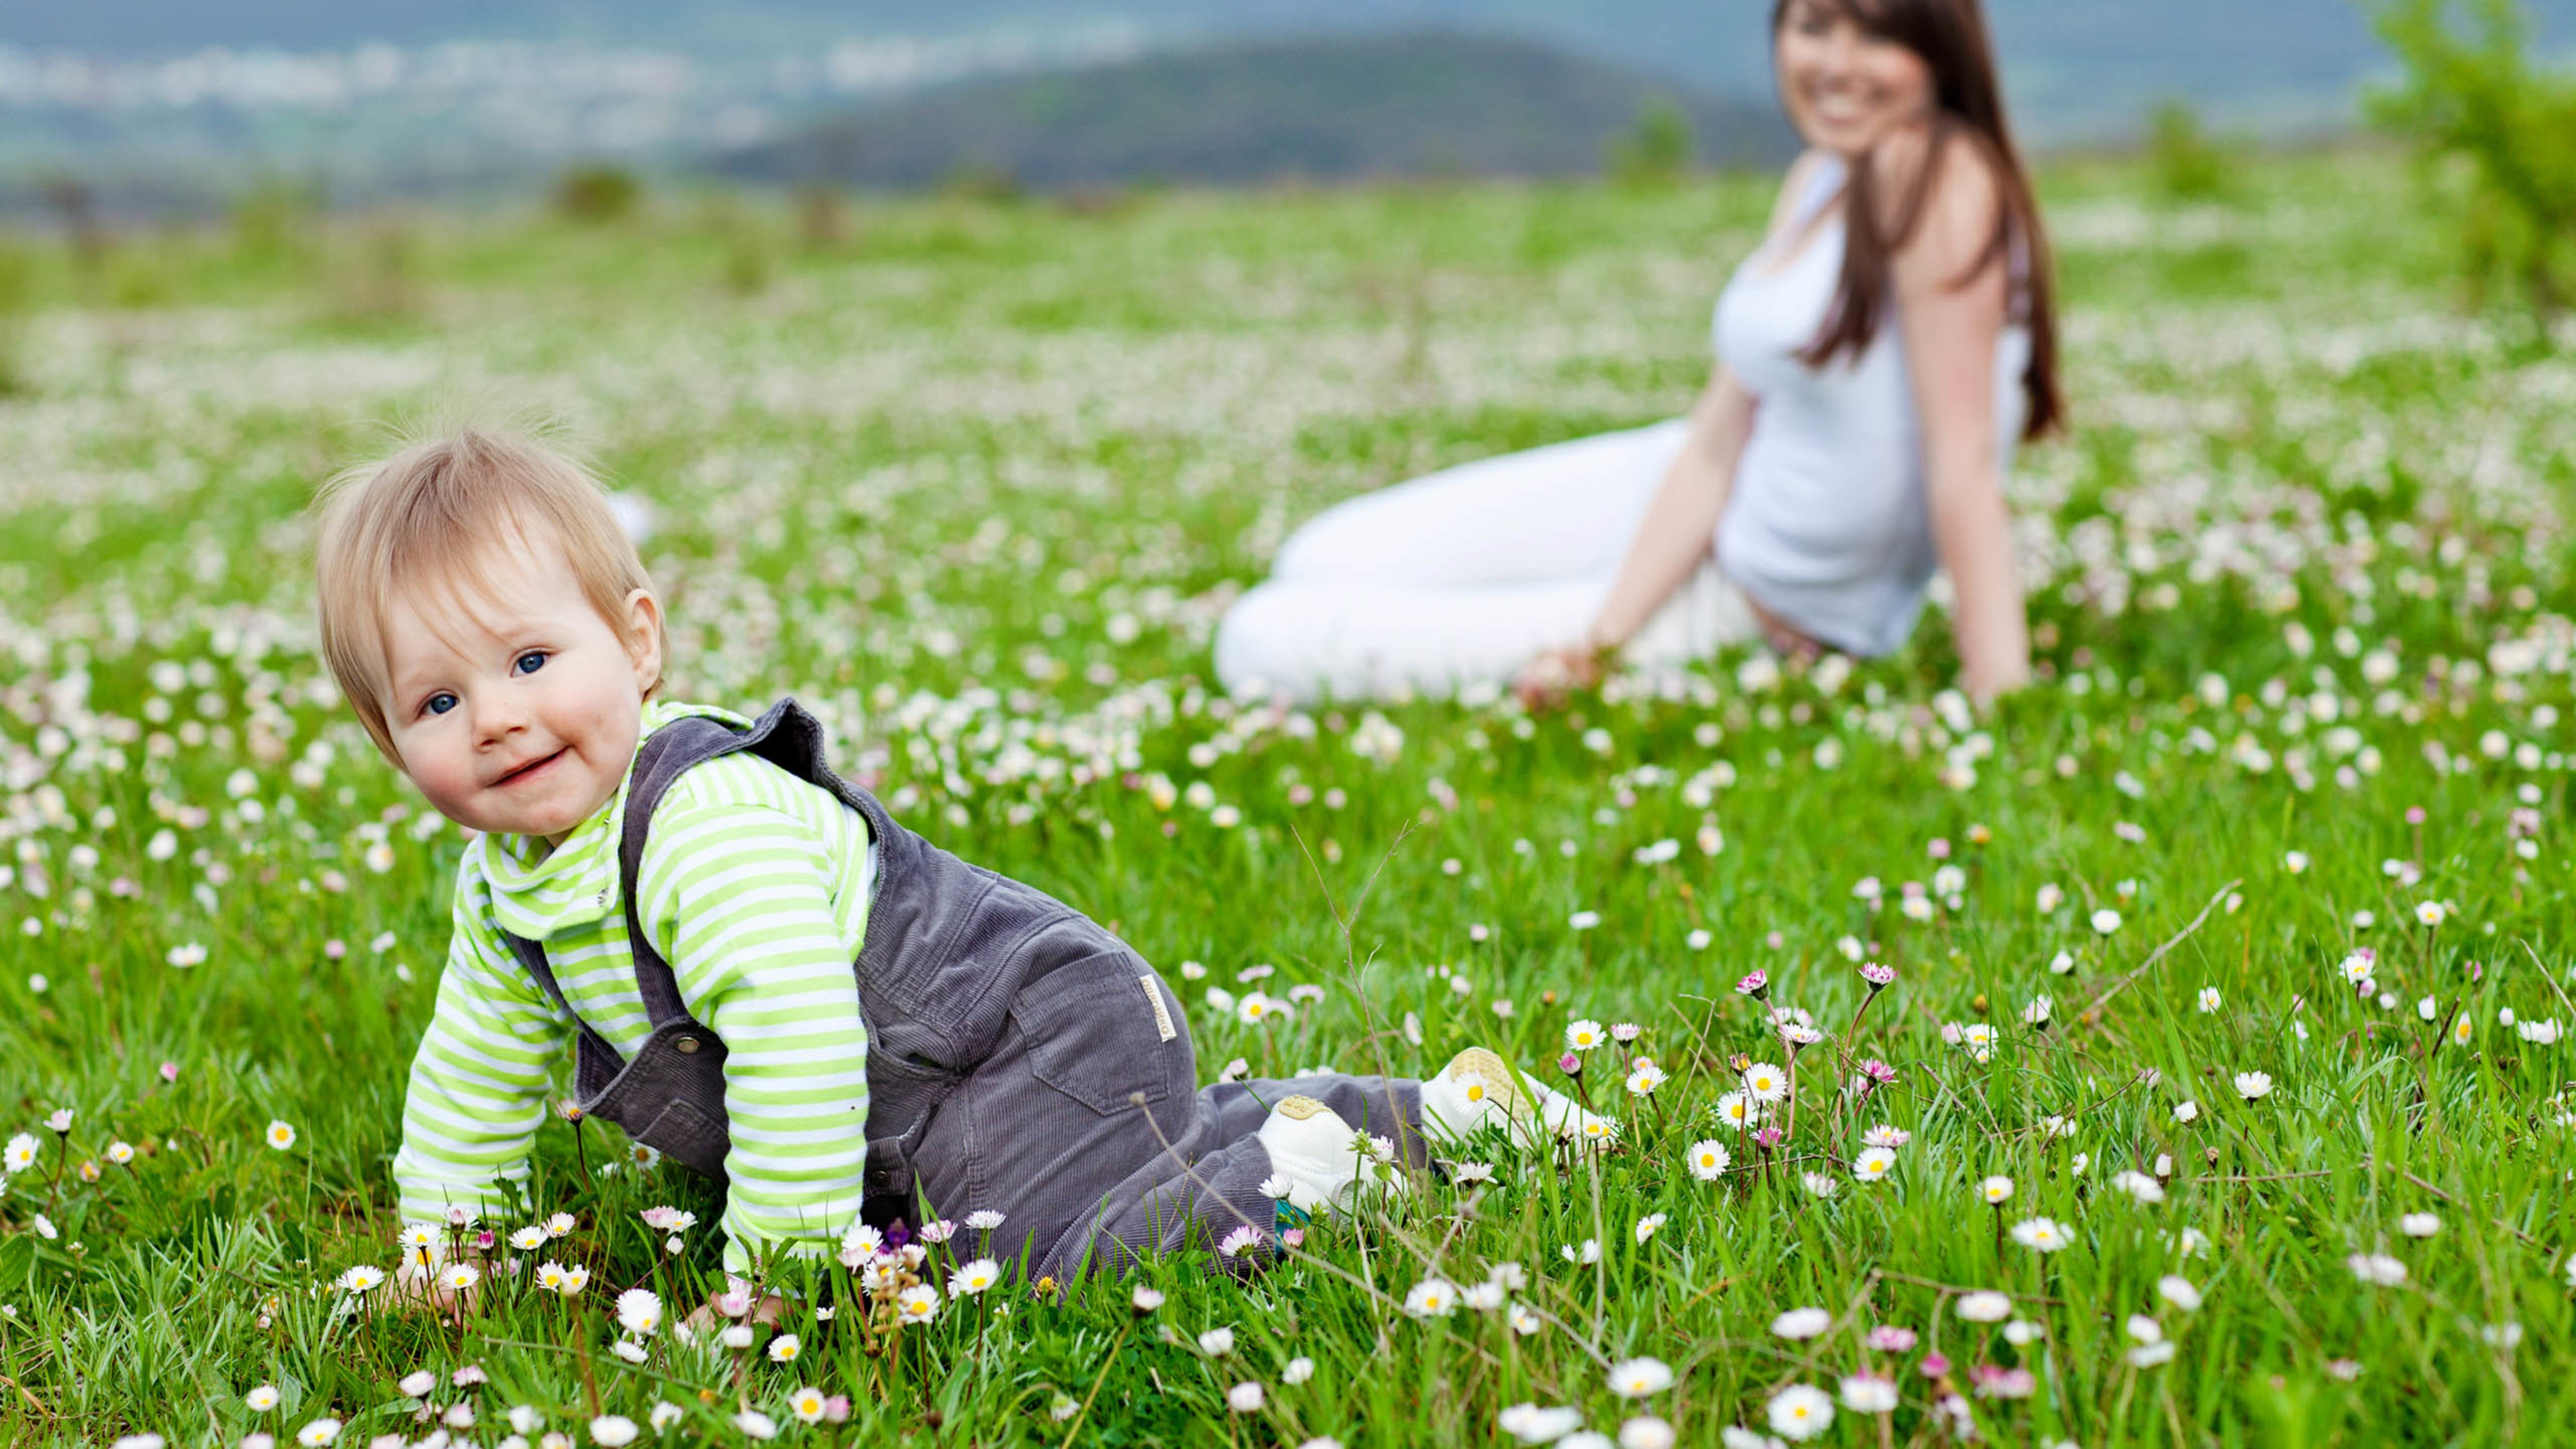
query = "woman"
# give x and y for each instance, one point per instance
(1879, 356)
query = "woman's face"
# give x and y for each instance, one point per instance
(1843, 87)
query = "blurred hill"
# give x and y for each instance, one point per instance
(155, 107)
(2079, 68)
(1329, 108)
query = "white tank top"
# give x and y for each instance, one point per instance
(1827, 525)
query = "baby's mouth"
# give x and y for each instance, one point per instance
(528, 769)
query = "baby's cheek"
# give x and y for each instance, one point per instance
(445, 789)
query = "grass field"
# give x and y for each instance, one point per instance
(976, 482)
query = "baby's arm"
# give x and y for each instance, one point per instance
(478, 1081)
(760, 920)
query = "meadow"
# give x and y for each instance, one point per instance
(2173, 1053)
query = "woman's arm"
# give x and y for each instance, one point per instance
(1950, 323)
(1678, 530)
(1680, 526)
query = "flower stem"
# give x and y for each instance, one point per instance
(1789, 1126)
(577, 1343)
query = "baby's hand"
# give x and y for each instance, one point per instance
(726, 1307)
(442, 1290)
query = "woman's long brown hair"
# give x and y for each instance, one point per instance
(1950, 36)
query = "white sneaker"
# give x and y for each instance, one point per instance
(1475, 1090)
(1313, 1153)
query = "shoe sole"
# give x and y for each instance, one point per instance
(1300, 1109)
(1486, 1078)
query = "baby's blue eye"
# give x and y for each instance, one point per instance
(524, 667)
(440, 703)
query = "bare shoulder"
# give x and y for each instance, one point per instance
(1801, 175)
(1961, 185)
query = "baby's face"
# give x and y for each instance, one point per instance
(518, 712)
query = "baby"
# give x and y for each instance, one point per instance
(760, 972)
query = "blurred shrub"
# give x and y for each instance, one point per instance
(742, 239)
(275, 222)
(2188, 164)
(2473, 97)
(1656, 149)
(17, 293)
(17, 279)
(598, 193)
(747, 267)
(822, 217)
(822, 212)
(1102, 200)
(137, 280)
(374, 281)
(981, 181)
(77, 209)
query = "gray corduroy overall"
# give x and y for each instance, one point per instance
(1021, 1058)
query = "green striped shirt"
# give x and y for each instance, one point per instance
(755, 888)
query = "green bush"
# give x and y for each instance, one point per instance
(276, 222)
(17, 292)
(981, 180)
(598, 193)
(138, 282)
(1657, 148)
(2473, 101)
(822, 217)
(2189, 165)
(373, 280)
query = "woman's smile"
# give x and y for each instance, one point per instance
(1846, 88)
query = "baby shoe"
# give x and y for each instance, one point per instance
(1315, 1156)
(1476, 1088)
(1473, 1090)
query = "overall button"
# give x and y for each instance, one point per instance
(687, 1046)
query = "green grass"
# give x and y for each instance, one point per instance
(975, 486)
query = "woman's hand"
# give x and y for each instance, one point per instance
(1544, 682)
(1786, 639)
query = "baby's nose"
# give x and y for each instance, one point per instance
(498, 720)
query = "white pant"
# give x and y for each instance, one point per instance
(1460, 578)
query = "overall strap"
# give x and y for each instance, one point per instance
(786, 736)
(664, 755)
(667, 754)
(792, 739)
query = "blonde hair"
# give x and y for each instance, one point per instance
(435, 513)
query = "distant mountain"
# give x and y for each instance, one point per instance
(2076, 67)
(1325, 108)
(174, 106)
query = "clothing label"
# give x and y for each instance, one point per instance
(1162, 1017)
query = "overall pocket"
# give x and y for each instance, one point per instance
(688, 1136)
(1104, 1030)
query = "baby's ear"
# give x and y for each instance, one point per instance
(643, 629)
